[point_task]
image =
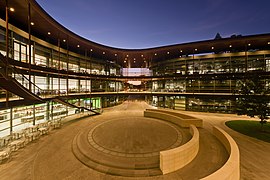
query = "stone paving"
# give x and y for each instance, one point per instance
(127, 146)
(254, 153)
(51, 157)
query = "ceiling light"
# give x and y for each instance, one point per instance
(168, 52)
(32, 23)
(12, 9)
(196, 49)
(115, 54)
(49, 33)
(268, 43)
(125, 61)
(212, 47)
(142, 55)
(103, 53)
(181, 50)
(127, 55)
(78, 45)
(230, 46)
(155, 54)
(91, 50)
(64, 40)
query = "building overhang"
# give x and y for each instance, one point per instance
(44, 23)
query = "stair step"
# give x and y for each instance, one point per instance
(119, 169)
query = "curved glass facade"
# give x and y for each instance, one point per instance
(190, 80)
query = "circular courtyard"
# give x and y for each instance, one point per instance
(127, 146)
(67, 153)
(135, 136)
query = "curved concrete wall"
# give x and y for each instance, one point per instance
(173, 112)
(174, 159)
(231, 169)
(174, 117)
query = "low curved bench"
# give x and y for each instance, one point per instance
(174, 159)
(181, 120)
(231, 169)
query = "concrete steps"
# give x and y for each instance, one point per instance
(109, 164)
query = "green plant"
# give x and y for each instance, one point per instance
(253, 98)
(251, 128)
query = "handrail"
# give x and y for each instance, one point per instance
(62, 101)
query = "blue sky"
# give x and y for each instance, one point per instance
(152, 23)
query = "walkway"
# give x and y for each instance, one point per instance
(51, 157)
(254, 154)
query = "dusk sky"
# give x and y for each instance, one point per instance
(152, 23)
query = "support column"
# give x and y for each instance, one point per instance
(51, 104)
(58, 66)
(7, 52)
(29, 44)
(11, 122)
(7, 38)
(91, 66)
(246, 58)
(34, 114)
(67, 80)
(47, 111)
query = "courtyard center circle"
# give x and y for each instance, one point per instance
(134, 136)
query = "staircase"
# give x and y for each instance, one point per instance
(12, 85)
(62, 101)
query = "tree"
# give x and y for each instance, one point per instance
(253, 98)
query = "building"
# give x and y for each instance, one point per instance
(48, 72)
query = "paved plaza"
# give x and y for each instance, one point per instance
(121, 142)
